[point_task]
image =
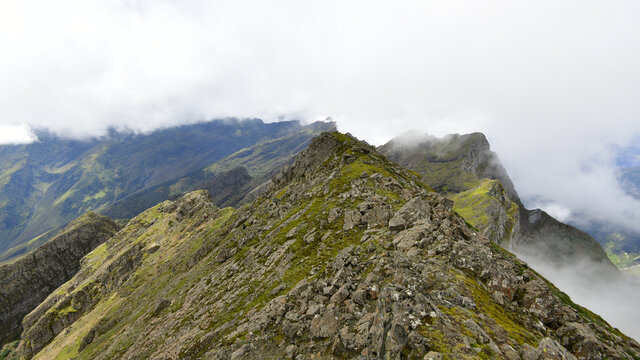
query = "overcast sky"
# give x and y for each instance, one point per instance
(555, 85)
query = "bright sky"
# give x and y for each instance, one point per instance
(554, 84)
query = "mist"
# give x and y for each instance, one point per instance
(16, 134)
(553, 85)
(616, 300)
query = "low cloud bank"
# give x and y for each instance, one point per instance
(553, 85)
(16, 134)
(555, 94)
(616, 300)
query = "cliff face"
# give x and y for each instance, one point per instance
(451, 164)
(28, 280)
(344, 254)
(463, 168)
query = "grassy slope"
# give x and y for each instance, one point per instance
(170, 272)
(260, 160)
(486, 208)
(201, 258)
(53, 181)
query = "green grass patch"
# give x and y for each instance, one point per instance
(8, 351)
(508, 321)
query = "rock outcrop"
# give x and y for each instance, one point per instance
(343, 255)
(27, 281)
(463, 168)
(229, 187)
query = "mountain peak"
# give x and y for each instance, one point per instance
(450, 164)
(345, 255)
(444, 148)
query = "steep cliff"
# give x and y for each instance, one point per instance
(343, 255)
(463, 168)
(27, 281)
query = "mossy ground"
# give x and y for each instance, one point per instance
(471, 204)
(486, 211)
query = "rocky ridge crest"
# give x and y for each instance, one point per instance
(344, 255)
(463, 168)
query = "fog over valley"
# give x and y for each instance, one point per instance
(500, 107)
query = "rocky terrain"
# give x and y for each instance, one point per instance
(342, 255)
(27, 281)
(464, 169)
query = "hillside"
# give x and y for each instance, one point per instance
(229, 179)
(343, 255)
(46, 184)
(464, 169)
(28, 280)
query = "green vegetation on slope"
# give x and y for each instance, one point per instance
(311, 265)
(8, 351)
(487, 208)
(614, 247)
(46, 184)
(175, 270)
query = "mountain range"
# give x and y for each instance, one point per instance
(348, 251)
(46, 184)
(622, 245)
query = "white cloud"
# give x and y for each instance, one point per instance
(557, 210)
(613, 299)
(554, 85)
(15, 134)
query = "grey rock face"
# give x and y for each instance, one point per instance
(414, 210)
(29, 280)
(548, 349)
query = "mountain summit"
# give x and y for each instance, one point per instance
(343, 255)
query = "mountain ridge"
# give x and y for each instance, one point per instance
(46, 184)
(344, 254)
(456, 165)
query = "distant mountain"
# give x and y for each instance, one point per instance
(463, 168)
(343, 255)
(229, 179)
(630, 178)
(621, 245)
(46, 184)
